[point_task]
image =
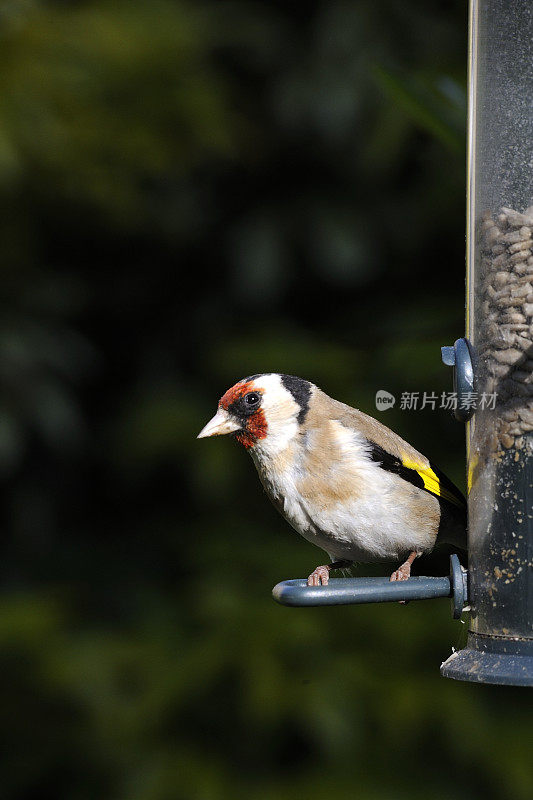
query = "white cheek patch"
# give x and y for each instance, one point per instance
(271, 387)
(281, 414)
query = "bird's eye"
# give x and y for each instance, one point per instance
(252, 399)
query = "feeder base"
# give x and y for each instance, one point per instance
(488, 659)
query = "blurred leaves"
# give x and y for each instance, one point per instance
(437, 105)
(102, 97)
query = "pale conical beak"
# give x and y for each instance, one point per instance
(220, 424)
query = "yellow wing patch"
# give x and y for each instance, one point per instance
(433, 482)
(472, 467)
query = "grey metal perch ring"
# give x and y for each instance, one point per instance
(351, 591)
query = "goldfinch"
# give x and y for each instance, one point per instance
(343, 480)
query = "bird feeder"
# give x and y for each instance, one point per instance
(492, 370)
(500, 332)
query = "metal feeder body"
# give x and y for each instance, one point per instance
(500, 330)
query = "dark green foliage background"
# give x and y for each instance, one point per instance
(189, 193)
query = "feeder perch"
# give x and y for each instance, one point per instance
(353, 591)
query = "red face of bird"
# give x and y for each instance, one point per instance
(263, 409)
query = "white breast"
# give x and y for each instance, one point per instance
(373, 523)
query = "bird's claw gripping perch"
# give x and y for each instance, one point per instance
(319, 576)
(403, 573)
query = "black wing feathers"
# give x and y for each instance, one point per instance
(431, 479)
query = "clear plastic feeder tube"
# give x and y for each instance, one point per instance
(500, 327)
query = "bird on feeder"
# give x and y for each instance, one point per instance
(343, 480)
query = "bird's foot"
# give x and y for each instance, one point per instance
(403, 573)
(319, 576)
